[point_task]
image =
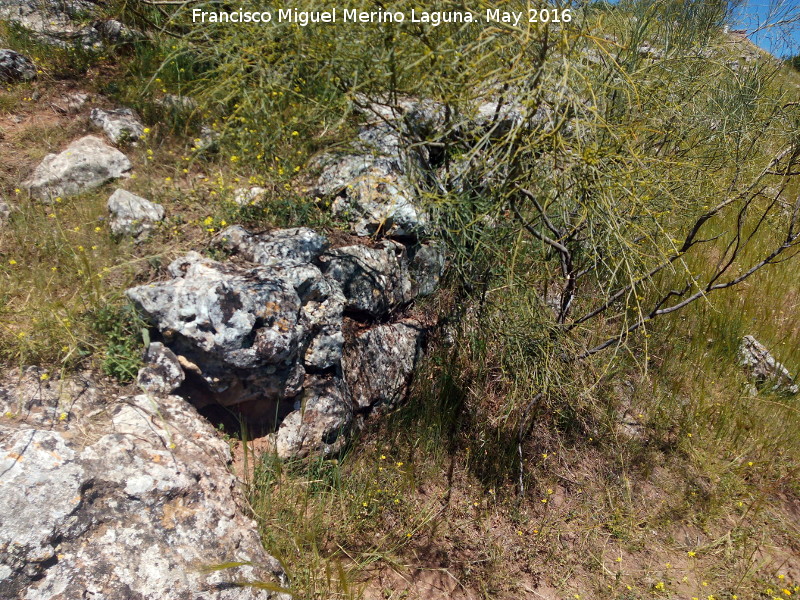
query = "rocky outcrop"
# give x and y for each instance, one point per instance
(121, 125)
(86, 164)
(763, 368)
(267, 338)
(119, 498)
(133, 215)
(15, 67)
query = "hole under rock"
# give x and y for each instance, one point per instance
(252, 418)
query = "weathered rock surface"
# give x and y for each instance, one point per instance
(283, 246)
(378, 364)
(375, 280)
(243, 327)
(87, 163)
(15, 67)
(321, 424)
(47, 17)
(763, 368)
(162, 372)
(132, 214)
(427, 265)
(380, 203)
(66, 22)
(71, 103)
(121, 125)
(118, 498)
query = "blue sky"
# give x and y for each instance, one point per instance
(780, 40)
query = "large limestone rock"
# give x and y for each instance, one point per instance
(119, 498)
(15, 67)
(243, 327)
(121, 125)
(133, 215)
(86, 164)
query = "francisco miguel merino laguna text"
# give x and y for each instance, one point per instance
(335, 15)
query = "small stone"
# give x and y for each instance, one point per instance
(763, 368)
(132, 214)
(5, 212)
(249, 196)
(71, 103)
(121, 125)
(162, 372)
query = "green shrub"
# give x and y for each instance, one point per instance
(125, 335)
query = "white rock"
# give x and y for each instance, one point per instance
(247, 196)
(125, 498)
(86, 164)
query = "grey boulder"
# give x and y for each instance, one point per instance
(133, 215)
(239, 330)
(86, 164)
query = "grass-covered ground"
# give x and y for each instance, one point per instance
(649, 470)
